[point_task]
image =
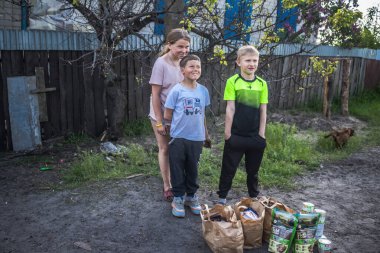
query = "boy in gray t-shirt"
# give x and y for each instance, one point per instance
(185, 109)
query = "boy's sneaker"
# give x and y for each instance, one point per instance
(222, 201)
(178, 208)
(193, 203)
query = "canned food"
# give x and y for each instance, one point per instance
(307, 207)
(321, 223)
(324, 246)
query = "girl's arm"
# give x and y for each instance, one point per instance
(156, 102)
(230, 112)
(263, 119)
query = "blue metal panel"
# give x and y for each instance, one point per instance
(23, 113)
(159, 29)
(58, 40)
(237, 11)
(286, 17)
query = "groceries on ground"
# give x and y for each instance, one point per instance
(268, 220)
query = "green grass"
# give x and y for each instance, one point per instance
(90, 166)
(76, 138)
(286, 156)
(289, 152)
(138, 127)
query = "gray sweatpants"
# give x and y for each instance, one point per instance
(184, 158)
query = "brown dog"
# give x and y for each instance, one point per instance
(341, 136)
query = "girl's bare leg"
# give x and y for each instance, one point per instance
(163, 156)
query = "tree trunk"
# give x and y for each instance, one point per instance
(327, 96)
(345, 92)
(175, 14)
(116, 101)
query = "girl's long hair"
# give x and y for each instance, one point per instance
(172, 37)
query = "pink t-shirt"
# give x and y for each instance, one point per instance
(167, 75)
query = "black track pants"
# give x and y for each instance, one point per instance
(234, 149)
(184, 158)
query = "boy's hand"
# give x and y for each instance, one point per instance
(207, 143)
(227, 136)
(167, 128)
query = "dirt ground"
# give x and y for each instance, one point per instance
(129, 215)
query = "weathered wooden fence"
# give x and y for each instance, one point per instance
(79, 104)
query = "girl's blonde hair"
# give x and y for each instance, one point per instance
(172, 37)
(248, 49)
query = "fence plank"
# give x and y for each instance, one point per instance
(89, 99)
(54, 98)
(77, 89)
(138, 84)
(7, 57)
(63, 92)
(3, 107)
(131, 88)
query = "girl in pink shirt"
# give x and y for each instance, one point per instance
(165, 74)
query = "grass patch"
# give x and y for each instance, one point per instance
(137, 127)
(76, 138)
(289, 153)
(90, 166)
(285, 156)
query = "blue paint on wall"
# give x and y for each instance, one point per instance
(237, 12)
(286, 17)
(159, 29)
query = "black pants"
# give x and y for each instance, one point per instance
(234, 149)
(184, 158)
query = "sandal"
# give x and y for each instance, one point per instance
(168, 195)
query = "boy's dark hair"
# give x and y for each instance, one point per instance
(189, 57)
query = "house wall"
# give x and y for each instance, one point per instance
(10, 15)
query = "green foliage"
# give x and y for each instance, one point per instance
(323, 67)
(369, 40)
(138, 127)
(343, 27)
(370, 36)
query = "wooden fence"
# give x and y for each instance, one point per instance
(79, 103)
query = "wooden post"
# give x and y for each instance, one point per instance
(325, 95)
(345, 92)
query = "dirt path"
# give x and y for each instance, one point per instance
(129, 215)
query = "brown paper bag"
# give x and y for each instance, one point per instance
(224, 236)
(270, 203)
(252, 229)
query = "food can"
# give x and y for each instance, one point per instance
(307, 207)
(321, 223)
(324, 246)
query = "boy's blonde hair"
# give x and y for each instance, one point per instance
(248, 49)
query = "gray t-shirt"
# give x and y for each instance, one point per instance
(188, 111)
(166, 74)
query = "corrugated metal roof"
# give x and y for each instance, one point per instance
(62, 40)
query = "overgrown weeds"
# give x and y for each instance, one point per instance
(94, 166)
(289, 152)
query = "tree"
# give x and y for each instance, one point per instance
(114, 20)
(370, 35)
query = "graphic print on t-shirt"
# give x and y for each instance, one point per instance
(192, 106)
